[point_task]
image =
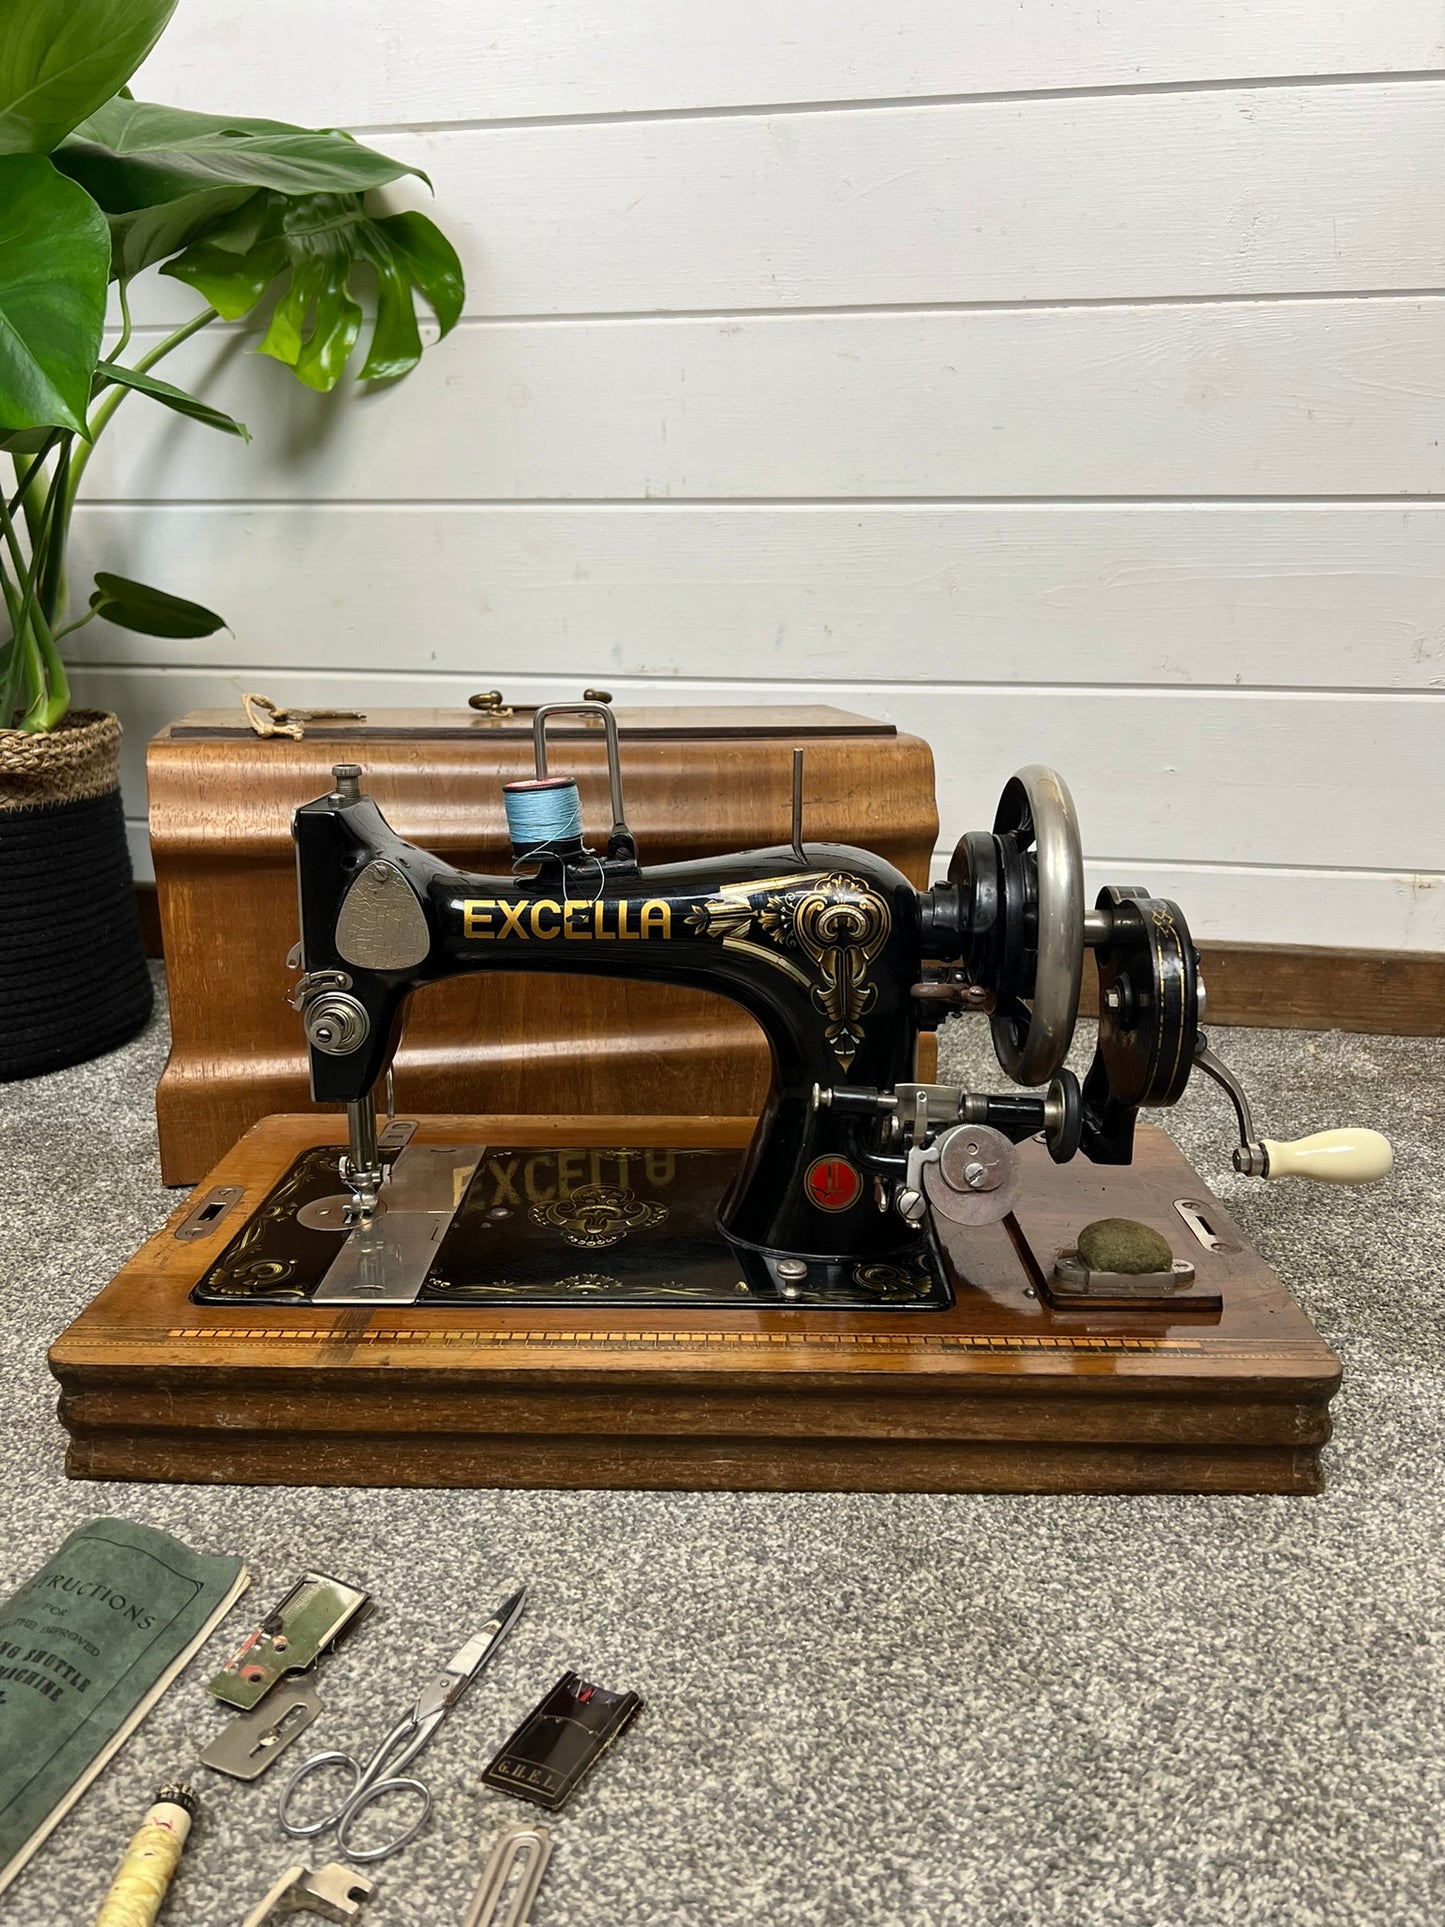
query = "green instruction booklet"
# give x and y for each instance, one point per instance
(87, 1647)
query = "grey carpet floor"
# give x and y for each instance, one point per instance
(939, 1711)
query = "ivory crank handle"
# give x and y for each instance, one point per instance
(1329, 1157)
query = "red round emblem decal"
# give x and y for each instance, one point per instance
(832, 1183)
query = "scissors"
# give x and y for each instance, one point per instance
(381, 1774)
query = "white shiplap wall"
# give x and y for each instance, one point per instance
(1066, 382)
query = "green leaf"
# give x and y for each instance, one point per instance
(24, 441)
(315, 245)
(232, 283)
(149, 153)
(150, 612)
(431, 260)
(54, 263)
(177, 398)
(287, 333)
(408, 250)
(166, 177)
(62, 59)
(238, 233)
(396, 339)
(337, 323)
(142, 236)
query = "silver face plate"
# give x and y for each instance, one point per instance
(246, 1747)
(386, 1261)
(975, 1177)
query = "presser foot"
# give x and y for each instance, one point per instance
(366, 1166)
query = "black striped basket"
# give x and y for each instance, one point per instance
(73, 976)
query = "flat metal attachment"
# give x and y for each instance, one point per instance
(1072, 1275)
(207, 1212)
(1195, 1215)
(335, 1213)
(246, 1747)
(333, 1891)
(398, 1134)
(511, 1878)
(312, 1617)
(385, 1260)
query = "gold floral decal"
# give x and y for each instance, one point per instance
(837, 921)
(892, 1281)
(598, 1215)
(238, 1273)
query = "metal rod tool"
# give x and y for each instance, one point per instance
(510, 1879)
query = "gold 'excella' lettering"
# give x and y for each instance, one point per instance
(535, 1191)
(578, 918)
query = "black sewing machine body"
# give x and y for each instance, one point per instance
(822, 954)
(842, 962)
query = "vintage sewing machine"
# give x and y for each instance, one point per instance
(863, 1296)
(841, 961)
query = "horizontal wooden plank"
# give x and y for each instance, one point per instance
(439, 61)
(1298, 987)
(1324, 595)
(1250, 192)
(1216, 777)
(1268, 398)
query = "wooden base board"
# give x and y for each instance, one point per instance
(1000, 1393)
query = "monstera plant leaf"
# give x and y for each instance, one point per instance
(165, 176)
(159, 222)
(317, 247)
(211, 150)
(150, 612)
(191, 406)
(62, 59)
(54, 260)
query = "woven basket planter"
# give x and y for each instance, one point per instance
(73, 977)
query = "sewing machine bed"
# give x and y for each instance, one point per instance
(517, 1225)
(997, 1392)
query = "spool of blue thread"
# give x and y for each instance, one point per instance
(543, 813)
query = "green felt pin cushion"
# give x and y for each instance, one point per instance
(1119, 1244)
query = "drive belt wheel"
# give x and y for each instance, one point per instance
(1148, 998)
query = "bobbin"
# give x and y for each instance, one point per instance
(544, 816)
